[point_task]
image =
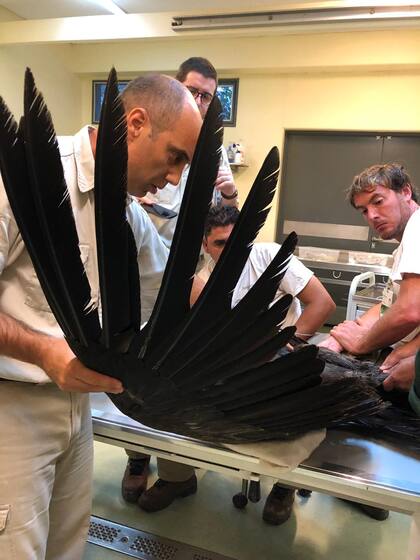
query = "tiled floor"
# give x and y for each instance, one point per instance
(321, 527)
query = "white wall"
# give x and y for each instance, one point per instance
(60, 86)
(339, 81)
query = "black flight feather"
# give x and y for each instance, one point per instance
(185, 248)
(54, 212)
(216, 295)
(16, 182)
(226, 350)
(193, 340)
(219, 336)
(117, 254)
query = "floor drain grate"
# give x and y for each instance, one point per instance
(146, 546)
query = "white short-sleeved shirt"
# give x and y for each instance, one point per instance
(171, 197)
(21, 295)
(294, 281)
(406, 260)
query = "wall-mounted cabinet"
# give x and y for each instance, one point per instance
(318, 167)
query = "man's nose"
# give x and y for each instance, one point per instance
(372, 214)
(174, 174)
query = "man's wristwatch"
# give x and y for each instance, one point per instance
(229, 196)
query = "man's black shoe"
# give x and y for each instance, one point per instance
(163, 493)
(134, 481)
(279, 504)
(374, 512)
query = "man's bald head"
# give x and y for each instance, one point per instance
(163, 98)
(163, 125)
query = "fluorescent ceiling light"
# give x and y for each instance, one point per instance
(295, 17)
(111, 7)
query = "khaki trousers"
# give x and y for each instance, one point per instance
(45, 472)
(167, 470)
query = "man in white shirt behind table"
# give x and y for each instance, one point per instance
(299, 282)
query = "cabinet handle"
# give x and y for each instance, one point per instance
(336, 274)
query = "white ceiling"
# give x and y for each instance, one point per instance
(44, 9)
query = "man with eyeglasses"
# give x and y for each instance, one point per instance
(199, 76)
(175, 479)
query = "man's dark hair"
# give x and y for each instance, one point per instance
(196, 64)
(220, 216)
(162, 97)
(389, 175)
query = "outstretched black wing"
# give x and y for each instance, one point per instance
(395, 422)
(210, 372)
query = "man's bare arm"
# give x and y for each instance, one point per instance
(54, 356)
(318, 307)
(366, 320)
(226, 185)
(400, 319)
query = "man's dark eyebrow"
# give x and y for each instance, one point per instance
(374, 195)
(179, 153)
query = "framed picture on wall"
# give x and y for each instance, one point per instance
(98, 92)
(227, 91)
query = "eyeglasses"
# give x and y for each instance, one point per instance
(203, 95)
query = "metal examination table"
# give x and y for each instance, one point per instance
(344, 465)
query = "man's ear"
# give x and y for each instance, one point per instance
(137, 120)
(407, 191)
(204, 243)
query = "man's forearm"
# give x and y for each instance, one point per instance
(370, 316)
(393, 326)
(312, 318)
(19, 341)
(54, 356)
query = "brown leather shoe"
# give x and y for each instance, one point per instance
(279, 504)
(134, 481)
(163, 493)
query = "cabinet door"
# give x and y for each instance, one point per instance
(318, 167)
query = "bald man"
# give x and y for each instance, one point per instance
(45, 470)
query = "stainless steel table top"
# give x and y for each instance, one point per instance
(342, 454)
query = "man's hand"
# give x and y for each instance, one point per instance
(61, 365)
(331, 344)
(225, 182)
(350, 335)
(394, 358)
(146, 199)
(401, 375)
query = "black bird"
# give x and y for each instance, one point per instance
(209, 372)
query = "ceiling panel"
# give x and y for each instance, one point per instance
(174, 6)
(44, 9)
